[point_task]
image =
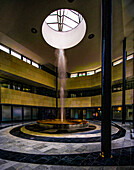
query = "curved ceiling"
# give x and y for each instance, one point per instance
(18, 17)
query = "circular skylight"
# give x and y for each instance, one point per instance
(64, 19)
(63, 28)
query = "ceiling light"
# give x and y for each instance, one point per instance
(70, 1)
(91, 36)
(34, 30)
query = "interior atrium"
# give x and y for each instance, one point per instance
(66, 84)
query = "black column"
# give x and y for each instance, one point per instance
(124, 82)
(56, 92)
(0, 113)
(106, 77)
(133, 92)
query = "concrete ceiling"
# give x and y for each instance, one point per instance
(17, 17)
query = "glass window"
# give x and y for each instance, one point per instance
(72, 14)
(6, 113)
(117, 112)
(3, 48)
(15, 54)
(63, 19)
(65, 28)
(117, 62)
(54, 26)
(24, 59)
(82, 74)
(70, 22)
(17, 113)
(76, 116)
(54, 13)
(35, 113)
(130, 57)
(129, 112)
(90, 73)
(28, 61)
(35, 64)
(27, 113)
(51, 19)
(74, 75)
(72, 114)
(73, 95)
(98, 70)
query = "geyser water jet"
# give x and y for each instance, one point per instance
(62, 79)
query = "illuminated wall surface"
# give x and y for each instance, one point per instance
(12, 67)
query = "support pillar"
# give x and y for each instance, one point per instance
(133, 92)
(106, 77)
(124, 82)
(0, 113)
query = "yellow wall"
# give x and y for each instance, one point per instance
(117, 70)
(84, 82)
(78, 102)
(12, 65)
(15, 66)
(95, 80)
(95, 101)
(10, 96)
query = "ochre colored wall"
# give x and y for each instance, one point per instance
(117, 97)
(11, 64)
(95, 101)
(95, 80)
(78, 102)
(84, 82)
(10, 96)
(117, 70)
(15, 66)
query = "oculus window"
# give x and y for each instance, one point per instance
(63, 28)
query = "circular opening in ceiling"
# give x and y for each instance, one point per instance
(64, 28)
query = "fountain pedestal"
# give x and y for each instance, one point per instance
(67, 124)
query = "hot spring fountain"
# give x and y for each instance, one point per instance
(62, 79)
(62, 36)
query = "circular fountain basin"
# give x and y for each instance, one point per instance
(66, 124)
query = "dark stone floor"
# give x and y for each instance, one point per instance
(121, 157)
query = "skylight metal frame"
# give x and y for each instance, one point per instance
(61, 17)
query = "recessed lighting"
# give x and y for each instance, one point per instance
(91, 36)
(34, 30)
(70, 1)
